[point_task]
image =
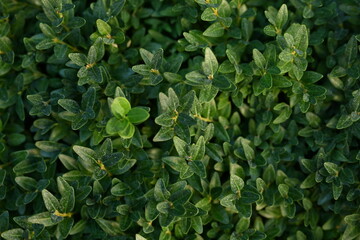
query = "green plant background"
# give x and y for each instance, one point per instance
(245, 123)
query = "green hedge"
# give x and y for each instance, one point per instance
(179, 119)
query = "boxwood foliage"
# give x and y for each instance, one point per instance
(179, 119)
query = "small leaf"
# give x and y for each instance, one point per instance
(51, 202)
(281, 17)
(351, 51)
(138, 115)
(248, 150)
(198, 168)
(266, 81)
(120, 107)
(103, 27)
(13, 234)
(67, 201)
(236, 183)
(160, 191)
(259, 59)
(332, 168)
(210, 65)
(110, 227)
(214, 30)
(284, 190)
(44, 218)
(311, 77)
(181, 146)
(344, 122)
(309, 181)
(78, 58)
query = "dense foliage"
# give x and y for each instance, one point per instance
(179, 119)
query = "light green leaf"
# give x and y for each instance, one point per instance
(248, 150)
(198, 150)
(13, 234)
(259, 59)
(214, 30)
(210, 65)
(301, 38)
(67, 201)
(236, 183)
(181, 146)
(281, 17)
(332, 168)
(120, 107)
(51, 202)
(103, 27)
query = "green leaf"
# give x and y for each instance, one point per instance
(121, 189)
(114, 125)
(120, 107)
(351, 232)
(138, 115)
(309, 181)
(176, 163)
(65, 226)
(127, 129)
(352, 219)
(214, 30)
(351, 51)
(48, 146)
(236, 183)
(4, 221)
(13, 234)
(86, 154)
(78, 58)
(103, 28)
(337, 189)
(164, 134)
(259, 59)
(198, 150)
(196, 224)
(44, 218)
(208, 15)
(67, 201)
(139, 237)
(160, 191)
(284, 190)
(110, 227)
(156, 60)
(146, 56)
(51, 202)
(248, 150)
(166, 119)
(249, 195)
(47, 30)
(198, 168)
(181, 146)
(332, 168)
(92, 56)
(69, 105)
(316, 91)
(266, 81)
(344, 122)
(27, 183)
(301, 38)
(210, 65)
(311, 77)
(281, 17)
